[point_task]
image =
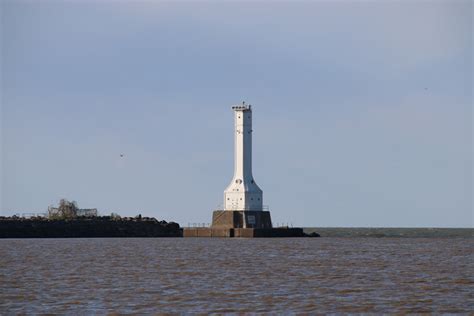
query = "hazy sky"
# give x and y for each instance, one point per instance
(362, 109)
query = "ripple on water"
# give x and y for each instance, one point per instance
(145, 276)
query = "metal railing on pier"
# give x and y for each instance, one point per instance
(264, 208)
(274, 224)
(195, 225)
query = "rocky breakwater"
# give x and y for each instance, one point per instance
(103, 226)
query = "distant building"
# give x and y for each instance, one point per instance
(69, 209)
(90, 212)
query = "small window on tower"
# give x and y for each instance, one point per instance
(251, 199)
(241, 199)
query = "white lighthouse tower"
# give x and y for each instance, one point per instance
(243, 193)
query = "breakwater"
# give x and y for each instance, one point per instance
(104, 226)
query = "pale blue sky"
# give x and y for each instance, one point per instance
(362, 109)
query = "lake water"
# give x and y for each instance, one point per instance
(87, 276)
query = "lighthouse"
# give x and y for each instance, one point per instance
(242, 213)
(243, 199)
(243, 193)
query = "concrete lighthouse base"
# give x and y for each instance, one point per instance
(246, 224)
(241, 219)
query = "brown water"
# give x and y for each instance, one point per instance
(86, 276)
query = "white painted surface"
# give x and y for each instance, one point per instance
(243, 193)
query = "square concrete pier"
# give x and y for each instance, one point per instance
(245, 224)
(242, 232)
